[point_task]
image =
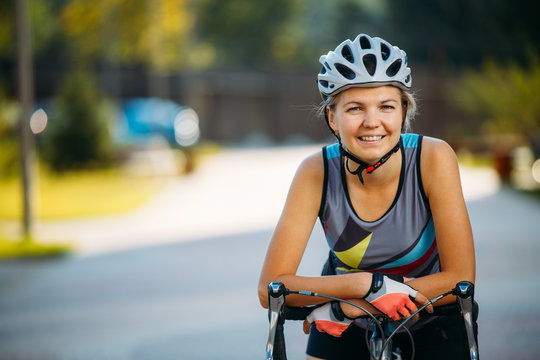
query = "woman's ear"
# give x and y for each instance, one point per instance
(404, 117)
(330, 118)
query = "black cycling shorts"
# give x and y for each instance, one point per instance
(443, 339)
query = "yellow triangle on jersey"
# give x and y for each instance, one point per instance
(353, 257)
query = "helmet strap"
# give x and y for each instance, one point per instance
(362, 165)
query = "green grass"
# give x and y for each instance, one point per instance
(77, 194)
(67, 196)
(72, 195)
(85, 193)
(10, 249)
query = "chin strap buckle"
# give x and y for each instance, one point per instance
(362, 165)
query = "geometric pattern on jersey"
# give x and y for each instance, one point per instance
(401, 242)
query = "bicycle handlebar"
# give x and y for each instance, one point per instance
(276, 340)
(278, 312)
(465, 292)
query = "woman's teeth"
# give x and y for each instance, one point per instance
(370, 138)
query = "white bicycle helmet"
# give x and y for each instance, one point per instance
(365, 61)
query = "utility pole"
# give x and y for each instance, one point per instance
(25, 79)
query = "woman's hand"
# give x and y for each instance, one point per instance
(354, 312)
(391, 296)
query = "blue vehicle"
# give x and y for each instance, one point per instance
(141, 119)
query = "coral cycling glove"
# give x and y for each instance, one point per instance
(390, 295)
(330, 319)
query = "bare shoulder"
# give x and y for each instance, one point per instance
(312, 167)
(308, 181)
(305, 193)
(435, 150)
(438, 163)
(314, 162)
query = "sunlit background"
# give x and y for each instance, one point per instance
(147, 123)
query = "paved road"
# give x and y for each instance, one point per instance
(191, 295)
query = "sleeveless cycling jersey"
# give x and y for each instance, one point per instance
(401, 242)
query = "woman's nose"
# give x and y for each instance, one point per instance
(371, 119)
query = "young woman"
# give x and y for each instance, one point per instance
(390, 203)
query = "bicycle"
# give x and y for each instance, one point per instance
(380, 344)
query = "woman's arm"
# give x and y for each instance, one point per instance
(442, 185)
(290, 239)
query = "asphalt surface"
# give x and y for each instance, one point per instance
(185, 287)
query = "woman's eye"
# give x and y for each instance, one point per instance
(387, 107)
(353, 108)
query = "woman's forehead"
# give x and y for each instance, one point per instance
(361, 94)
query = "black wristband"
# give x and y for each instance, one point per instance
(338, 311)
(395, 277)
(377, 281)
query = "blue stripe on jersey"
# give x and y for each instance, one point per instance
(426, 240)
(410, 140)
(332, 151)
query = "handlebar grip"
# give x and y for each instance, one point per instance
(280, 352)
(465, 294)
(297, 312)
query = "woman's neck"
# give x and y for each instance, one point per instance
(384, 175)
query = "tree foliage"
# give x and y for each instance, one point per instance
(505, 98)
(129, 31)
(245, 33)
(463, 33)
(78, 135)
(172, 35)
(9, 113)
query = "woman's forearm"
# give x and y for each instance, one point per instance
(349, 286)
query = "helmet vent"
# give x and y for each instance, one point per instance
(408, 78)
(323, 70)
(385, 51)
(323, 83)
(347, 54)
(365, 43)
(394, 68)
(370, 63)
(345, 71)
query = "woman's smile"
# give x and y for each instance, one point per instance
(370, 138)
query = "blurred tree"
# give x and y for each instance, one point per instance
(319, 25)
(352, 17)
(505, 98)
(247, 34)
(44, 35)
(44, 25)
(78, 135)
(153, 32)
(7, 36)
(463, 32)
(9, 114)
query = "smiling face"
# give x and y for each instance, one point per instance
(369, 120)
